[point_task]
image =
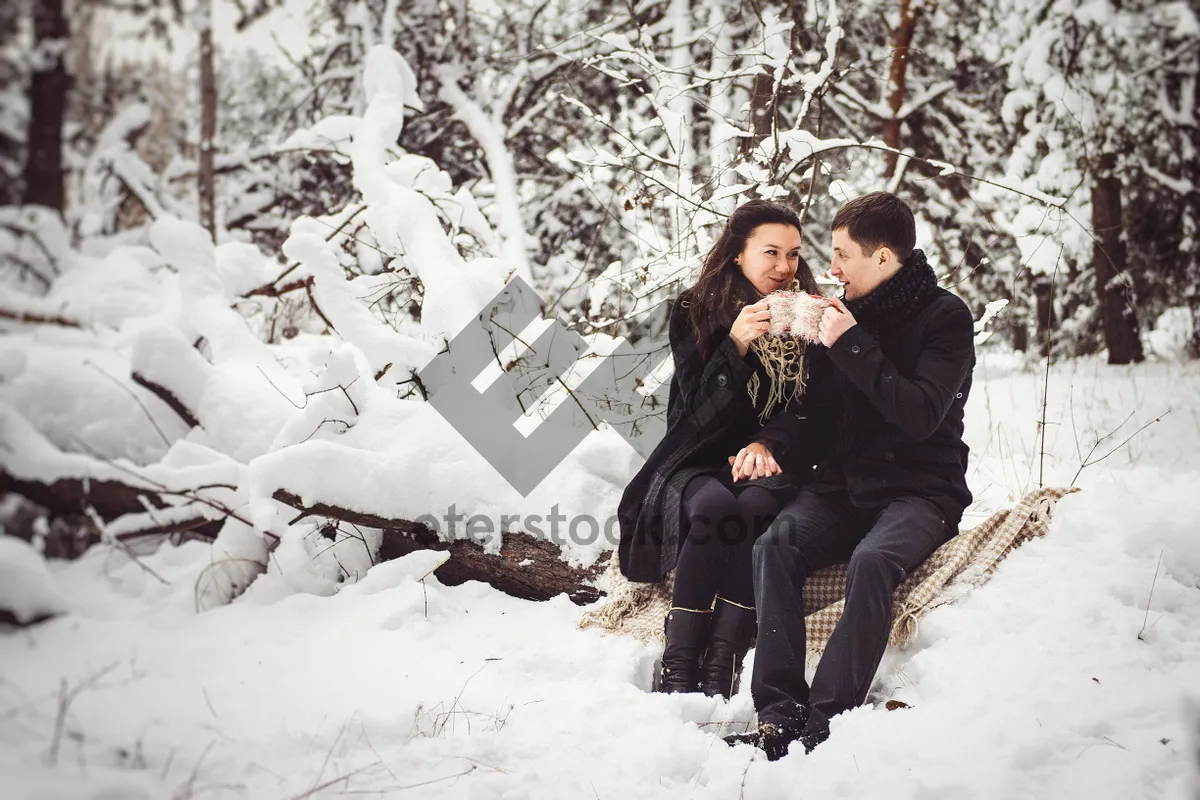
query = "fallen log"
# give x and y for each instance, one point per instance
(110, 499)
(526, 567)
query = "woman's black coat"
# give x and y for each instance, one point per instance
(709, 418)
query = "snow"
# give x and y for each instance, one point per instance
(29, 455)
(1069, 674)
(489, 132)
(36, 235)
(402, 218)
(25, 588)
(342, 305)
(803, 145)
(1039, 230)
(281, 660)
(318, 416)
(1181, 186)
(47, 53)
(285, 28)
(76, 394)
(1172, 334)
(989, 313)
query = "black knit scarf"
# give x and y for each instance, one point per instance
(900, 298)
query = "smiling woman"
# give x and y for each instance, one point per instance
(757, 253)
(770, 256)
(713, 483)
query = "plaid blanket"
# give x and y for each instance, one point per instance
(964, 562)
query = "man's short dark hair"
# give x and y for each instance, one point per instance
(878, 219)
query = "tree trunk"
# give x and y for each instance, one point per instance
(1019, 329)
(1113, 289)
(677, 112)
(762, 111)
(898, 81)
(1043, 289)
(48, 87)
(208, 119)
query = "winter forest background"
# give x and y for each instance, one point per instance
(232, 233)
(601, 142)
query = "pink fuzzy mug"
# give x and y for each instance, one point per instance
(796, 314)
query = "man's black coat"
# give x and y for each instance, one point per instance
(885, 408)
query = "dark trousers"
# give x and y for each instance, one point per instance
(818, 530)
(715, 558)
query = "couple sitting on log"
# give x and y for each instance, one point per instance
(796, 444)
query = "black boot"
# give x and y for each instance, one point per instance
(733, 628)
(773, 738)
(687, 633)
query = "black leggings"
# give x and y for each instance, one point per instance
(716, 555)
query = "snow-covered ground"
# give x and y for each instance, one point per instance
(1074, 673)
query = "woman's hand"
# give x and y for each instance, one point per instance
(754, 461)
(751, 323)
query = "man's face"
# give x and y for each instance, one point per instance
(860, 273)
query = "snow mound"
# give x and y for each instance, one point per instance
(25, 587)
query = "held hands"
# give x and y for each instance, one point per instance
(752, 322)
(754, 461)
(835, 322)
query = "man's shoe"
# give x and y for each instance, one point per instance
(811, 739)
(733, 628)
(687, 634)
(773, 738)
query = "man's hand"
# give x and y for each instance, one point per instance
(835, 322)
(754, 461)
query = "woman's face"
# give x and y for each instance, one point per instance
(770, 257)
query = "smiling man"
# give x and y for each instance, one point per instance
(888, 390)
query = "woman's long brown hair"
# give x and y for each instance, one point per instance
(713, 302)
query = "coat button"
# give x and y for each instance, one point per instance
(854, 349)
(722, 379)
(889, 456)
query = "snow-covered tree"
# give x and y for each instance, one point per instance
(1103, 97)
(229, 417)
